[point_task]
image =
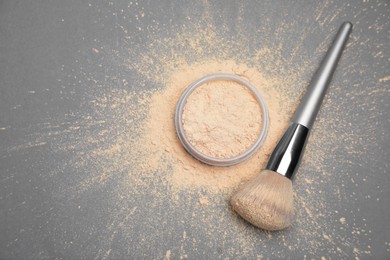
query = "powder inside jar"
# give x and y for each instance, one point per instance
(222, 119)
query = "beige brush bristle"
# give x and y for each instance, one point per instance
(266, 201)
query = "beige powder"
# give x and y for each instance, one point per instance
(162, 148)
(128, 136)
(222, 119)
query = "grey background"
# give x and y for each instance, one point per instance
(45, 56)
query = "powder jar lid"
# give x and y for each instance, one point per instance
(213, 160)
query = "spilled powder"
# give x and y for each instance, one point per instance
(162, 146)
(222, 119)
(342, 220)
(204, 201)
(126, 136)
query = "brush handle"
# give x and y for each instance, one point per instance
(288, 152)
(310, 104)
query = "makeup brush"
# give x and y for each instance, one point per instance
(267, 200)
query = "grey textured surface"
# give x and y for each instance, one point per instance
(46, 63)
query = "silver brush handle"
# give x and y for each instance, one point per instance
(311, 103)
(287, 154)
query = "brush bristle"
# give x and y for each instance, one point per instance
(266, 201)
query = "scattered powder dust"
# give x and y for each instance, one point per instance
(204, 201)
(164, 148)
(384, 79)
(222, 119)
(167, 255)
(138, 146)
(140, 138)
(127, 137)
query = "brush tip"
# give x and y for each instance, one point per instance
(266, 201)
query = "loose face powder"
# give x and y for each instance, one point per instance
(222, 119)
